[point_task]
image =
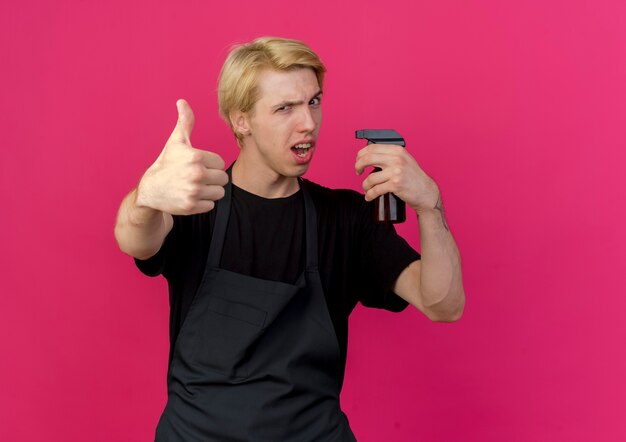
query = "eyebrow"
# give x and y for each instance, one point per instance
(295, 103)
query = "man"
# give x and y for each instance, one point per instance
(265, 267)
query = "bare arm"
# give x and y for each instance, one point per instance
(182, 181)
(434, 284)
(140, 231)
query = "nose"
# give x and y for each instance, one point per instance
(307, 120)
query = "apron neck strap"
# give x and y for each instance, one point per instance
(310, 225)
(222, 213)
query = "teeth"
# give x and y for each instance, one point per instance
(301, 149)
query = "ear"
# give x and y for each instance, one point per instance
(240, 122)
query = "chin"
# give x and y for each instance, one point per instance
(300, 170)
(293, 171)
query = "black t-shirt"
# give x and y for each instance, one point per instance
(359, 260)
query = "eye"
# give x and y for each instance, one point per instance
(315, 101)
(285, 108)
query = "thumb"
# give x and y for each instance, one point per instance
(184, 125)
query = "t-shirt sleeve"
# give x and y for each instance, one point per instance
(158, 264)
(383, 256)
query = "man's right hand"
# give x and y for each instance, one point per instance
(183, 180)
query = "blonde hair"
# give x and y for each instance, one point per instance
(237, 86)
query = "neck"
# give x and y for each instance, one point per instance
(262, 182)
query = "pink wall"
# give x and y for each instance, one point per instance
(517, 109)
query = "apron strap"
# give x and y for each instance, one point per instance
(222, 214)
(310, 217)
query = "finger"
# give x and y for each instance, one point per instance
(212, 160)
(211, 193)
(208, 159)
(372, 154)
(371, 159)
(215, 177)
(389, 149)
(378, 190)
(185, 123)
(376, 178)
(201, 206)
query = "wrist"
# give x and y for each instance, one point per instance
(143, 193)
(434, 213)
(141, 201)
(143, 212)
(426, 212)
(428, 201)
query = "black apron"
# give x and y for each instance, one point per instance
(256, 360)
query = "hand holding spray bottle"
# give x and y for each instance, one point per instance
(387, 208)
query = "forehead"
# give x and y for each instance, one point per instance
(277, 86)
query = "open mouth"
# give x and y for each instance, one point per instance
(302, 150)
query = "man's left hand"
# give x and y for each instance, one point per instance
(400, 175)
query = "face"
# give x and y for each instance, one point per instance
(284, 123)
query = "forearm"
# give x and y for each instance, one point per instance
(441, 280)
(433, 285)
(140, 230)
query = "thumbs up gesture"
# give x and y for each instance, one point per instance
(183, 180)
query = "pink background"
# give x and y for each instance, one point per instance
(516, 109)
